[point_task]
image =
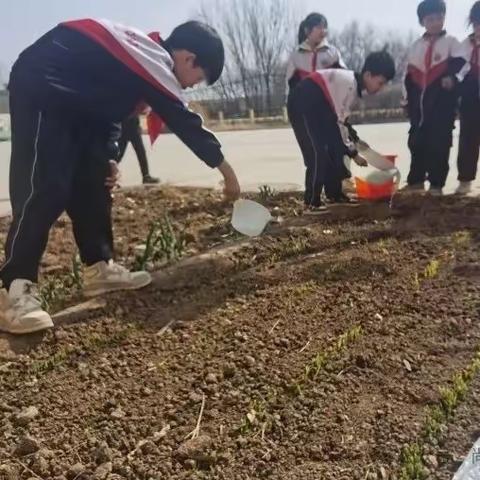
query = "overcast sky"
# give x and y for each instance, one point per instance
(23, 21)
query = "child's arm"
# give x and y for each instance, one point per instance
(188, 126)
(456, 64)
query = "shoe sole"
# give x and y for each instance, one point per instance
(46, 325)
(103, 291)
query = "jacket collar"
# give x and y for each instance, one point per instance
(305, 46)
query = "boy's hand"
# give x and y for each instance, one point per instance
(448, 83)
(114, 176)
(231, 189)
(360, 161)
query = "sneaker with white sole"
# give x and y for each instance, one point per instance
(110, 277)
(464, 188)
(21, 309)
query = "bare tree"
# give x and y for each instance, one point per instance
(356, 42)
(257, 35)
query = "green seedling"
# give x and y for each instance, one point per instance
(266, 192)
(432, 269)
(437, 418)
(162, 244)
(412, 463)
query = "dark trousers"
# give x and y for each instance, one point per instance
(430, 158)
(132, 132)
(317, 133)
(469, 147)
(57, 164)
(430, 142)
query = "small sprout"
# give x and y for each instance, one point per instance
(432, 269)
(266, 192)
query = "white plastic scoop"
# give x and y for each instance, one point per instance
(250, 218)
(380, 169)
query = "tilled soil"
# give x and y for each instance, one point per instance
(312, 354)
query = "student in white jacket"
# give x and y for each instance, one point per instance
(318, 108)
(314, 52)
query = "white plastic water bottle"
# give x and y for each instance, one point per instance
(470, 470)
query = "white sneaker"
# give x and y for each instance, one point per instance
(436, 192)
(21, 309)
(464, 188)
(110, 277)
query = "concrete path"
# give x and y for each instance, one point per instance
(259, 156)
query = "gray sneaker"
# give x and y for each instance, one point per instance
(21, 309)
(110, 277)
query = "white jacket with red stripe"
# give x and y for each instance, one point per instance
(341, 89)
(430, 59)
(104, 72)
(306, 60)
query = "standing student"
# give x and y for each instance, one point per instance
(314, 52)
(470, 107)
(431, 94)
(68, 92)
(318, 107)
(132, 133)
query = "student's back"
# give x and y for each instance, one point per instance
(67, 70)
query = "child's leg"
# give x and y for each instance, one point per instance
(316, 174)
(469, 147)
(125, 138)
(312, 120)
(336, 172)
(90, 205)
(439, 144)
(418, 167)
(139, 147)
(42, 162)
(305, 145)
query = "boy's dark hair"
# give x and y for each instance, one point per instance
(474, 16)
(313, 20)
(428, 7)
(202, 40)
(380, 63)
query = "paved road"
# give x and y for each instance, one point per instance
(259, 156)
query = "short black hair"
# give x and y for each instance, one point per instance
(202, 40)
(428, 7)
(474, 16)
(380, 63)
(313, 20)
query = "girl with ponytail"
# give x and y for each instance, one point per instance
(314, 52)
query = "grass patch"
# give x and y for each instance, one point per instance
(432, 269)
(266, 192)
(163, 243)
